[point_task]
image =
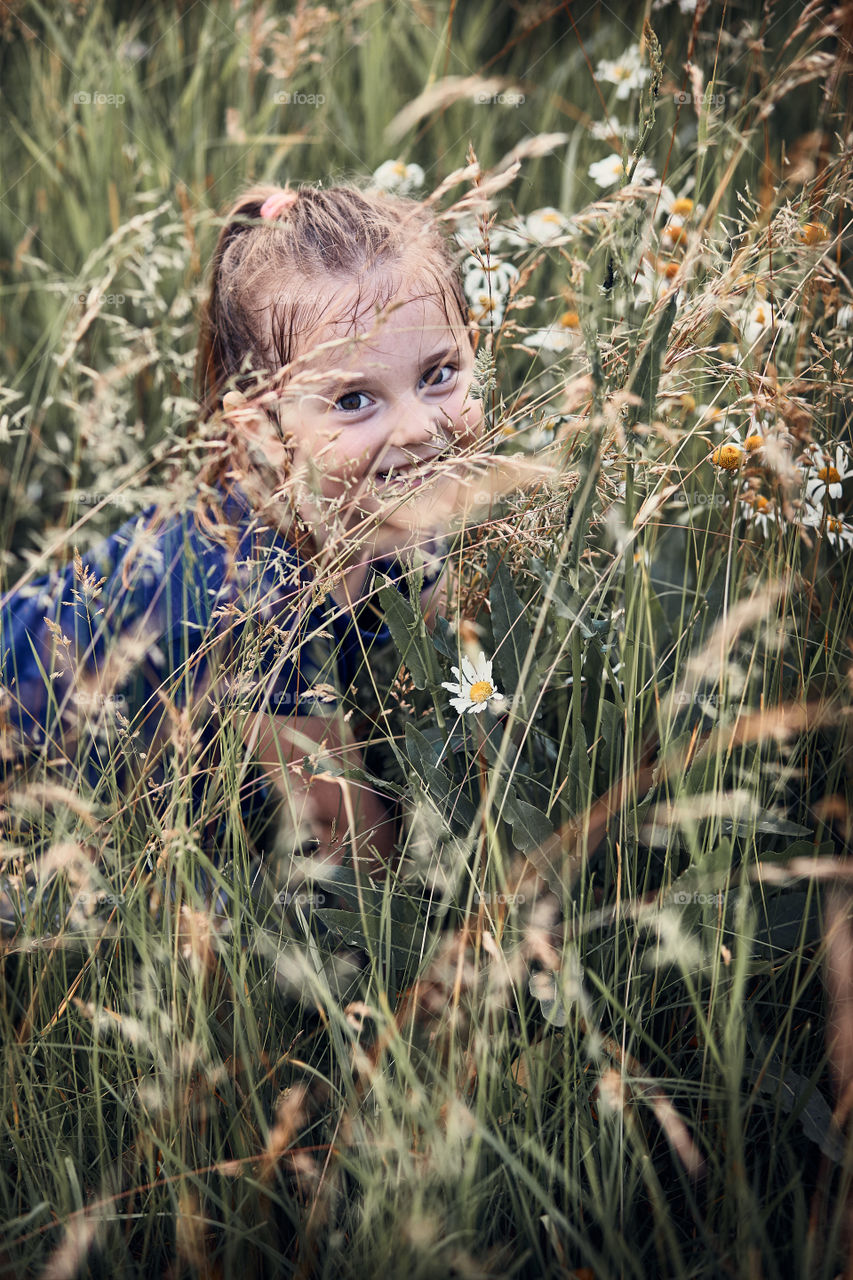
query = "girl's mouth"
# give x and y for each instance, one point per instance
(410, 475)
(405, 477)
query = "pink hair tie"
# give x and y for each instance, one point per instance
(278, 203)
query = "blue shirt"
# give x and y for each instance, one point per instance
(160, 616)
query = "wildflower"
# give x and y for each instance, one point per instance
(713, 415)
(759, 511)
(674, 233)
(755, 436)
(681, 207)
(728, 457)
(827, 480)
(470, 234)
(401, 178)
(658, 279)
(605, 130)
(546, 224)
(756, 322)
(813, 233)
(611, 170)
(473, 689)
(487, 283)
(627, 71)
(839, 533)
(562, 335)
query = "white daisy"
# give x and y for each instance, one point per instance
(759, 511)
(712, 416)
(562, 335)
(473, 689)
(839, 532)
(609, 172)
(469, 235)
(546, 224)
(487, 283)
(758, 321)
(826, 481)
(605, 130)
(626, 71)
(401, 178)
(653, 283)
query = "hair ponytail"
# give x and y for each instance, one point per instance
(212, 363)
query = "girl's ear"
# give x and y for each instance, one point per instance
(245, 415)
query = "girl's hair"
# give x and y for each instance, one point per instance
(263, 297)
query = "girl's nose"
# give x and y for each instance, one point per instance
(417, 422)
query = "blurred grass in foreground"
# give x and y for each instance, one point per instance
(599, 1021)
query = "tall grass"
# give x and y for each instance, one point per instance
(597, 1021)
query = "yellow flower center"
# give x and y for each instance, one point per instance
(761, 503)
(759, 316)
(813, 233)
(829, 475)
(681, 206)
(671, 269)
(481, 691)
(727, 456)
(621, 73)
(688, 402)
(754, 442)
(834, 524)
(570, 320)
(400, 169)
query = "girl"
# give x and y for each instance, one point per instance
(335, 360)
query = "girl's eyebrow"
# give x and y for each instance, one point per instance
(360, 381)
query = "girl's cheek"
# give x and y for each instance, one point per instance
(470, 421)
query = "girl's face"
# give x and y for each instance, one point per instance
(370, 410)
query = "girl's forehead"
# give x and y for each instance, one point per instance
(380, 310)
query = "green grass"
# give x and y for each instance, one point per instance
(586, 1028)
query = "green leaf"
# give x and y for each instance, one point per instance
(770, 824)
(509, 626)
(579, 769)
(374, 934)
(443, 639)
(423, 758)
(406, 631)
(530, 827)
(799, 1095)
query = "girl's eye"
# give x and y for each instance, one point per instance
(439, 376)
(350, 401)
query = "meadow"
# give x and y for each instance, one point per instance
(598, 1021)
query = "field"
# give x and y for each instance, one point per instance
(598, 1020)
